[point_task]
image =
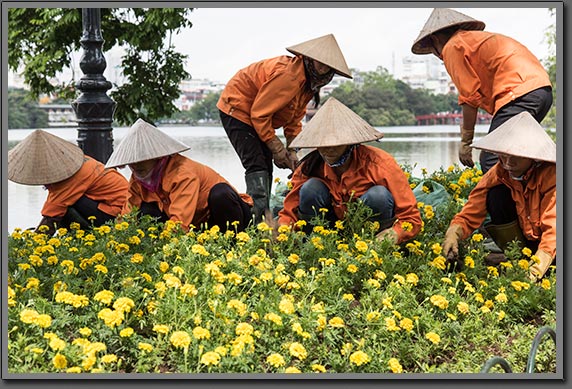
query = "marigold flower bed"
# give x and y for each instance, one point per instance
(137, 296)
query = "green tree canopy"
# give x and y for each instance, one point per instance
(24, 112)
(42, 40)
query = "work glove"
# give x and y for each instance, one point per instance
(282, 157)
(451, 243)
(388, 234)
(51, 223)
(538, 270)
(465, 150)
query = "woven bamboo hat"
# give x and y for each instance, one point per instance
(521, 136)
(42, 158)
(143, 142)
(334, 124)
(324, 49)
(440, 19)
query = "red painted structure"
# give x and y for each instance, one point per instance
(449, 118)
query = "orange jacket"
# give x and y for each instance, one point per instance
(369, 166)
(107, 186)
(183, 193)
(269, 94)
(535, 203)
(491, 70)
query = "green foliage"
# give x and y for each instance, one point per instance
(550, 64)
(385, 101)
(41, 40)
(24, 112)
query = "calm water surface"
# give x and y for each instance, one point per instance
(429, 147)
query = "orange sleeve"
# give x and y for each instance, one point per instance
(289, 213)
(548, 221)
(64, 194)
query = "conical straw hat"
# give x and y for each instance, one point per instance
(440, 19)
(143, 142)
(521, 136)
(42, 158)
(334, 124)
(324, 49)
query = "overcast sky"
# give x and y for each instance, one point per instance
(223, 40)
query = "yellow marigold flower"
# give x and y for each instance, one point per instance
(43, 320)
(28, 316)
(352, 268)
(286, 306)
(100, 269)
(501, 298)
(479, 298)
(406, 226)
(406, 324)
(527, 252)
(242, 237)
(373, 283)
(545, 284)
(436, 248)
(37, 350)
(123, 304)
(519, 285)
(275, 360)
(57, 344)
(111, 318)
(201, 333)
(297, 350)
(189, 290)
(485, 309)
(126, 332)
(263, 227)
(359, 358)
(361, 246)
(501, 315)
(318, 368)
(24, 266)
(240, 307)
(493, 271)
(463, 307)
(32, 283)
(243, 329)
(336, 322)
(161, 328)
(477, 237)
(137, 258)
(221, 350)
(373, 316)
(523, 264)
(390, 324)
(180, 339)
(395, 366)
(386, 302)
(411, 278)
(163, 267)
(439, 301)
(433, 337)
(60, 361)
(320, 323)
(292, 370)
(85, 331)
(109, 358)
(348, 297)
(210, 358)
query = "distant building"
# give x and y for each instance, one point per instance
(427, 71)
(59, 115)
(195, 90)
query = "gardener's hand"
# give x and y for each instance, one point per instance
(282, 157)
(451, 242)
(465, 150)
(388, 234)
(538, 270)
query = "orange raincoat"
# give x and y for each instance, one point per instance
(491, 70)
(269, 94)
(369, 166)
(107, 186)
(183, 193)
(535, 203)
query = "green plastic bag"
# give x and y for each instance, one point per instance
(434, 193)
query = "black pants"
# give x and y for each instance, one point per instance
(225, 207)
(254, 155)
(537, 102)
(502, 209)
(85, 207)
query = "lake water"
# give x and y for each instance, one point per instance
(429, 147)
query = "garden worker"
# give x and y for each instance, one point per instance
(491, 71)
(169, 186)
(524, 205)
(341, 169)
(80, 188)
(270, 94)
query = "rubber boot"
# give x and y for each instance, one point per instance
(503, 234)
(258, 187)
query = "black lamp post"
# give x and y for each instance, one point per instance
(94, 108)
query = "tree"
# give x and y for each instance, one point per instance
(41, 40)
(24, 112)
(550, 64)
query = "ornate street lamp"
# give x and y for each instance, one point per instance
(94, 108)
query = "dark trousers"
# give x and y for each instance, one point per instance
(502, 209)
(254, 155)
(225, 207)
(537, 102)
(84, 208)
